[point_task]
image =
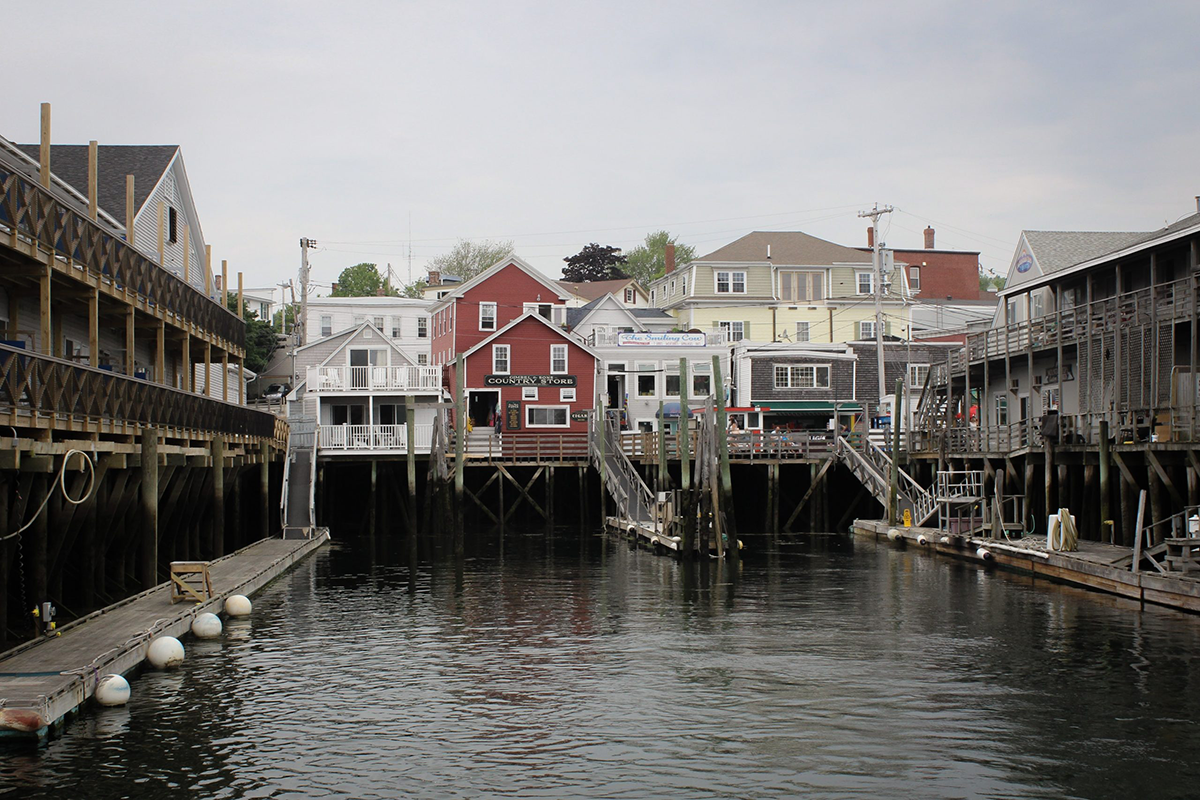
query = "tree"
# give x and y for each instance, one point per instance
(467, 259)
(594, 263)
(989, 281)
(361, 280)
(416, 290)
(260, 337)
(284, 320)
(648, 260)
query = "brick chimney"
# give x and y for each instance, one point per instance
(870, 236)
(435, 277)
(670, 258)
(928, 237)
(333, 288)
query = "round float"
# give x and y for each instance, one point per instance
(238, 605)
(112, 690)
(165, 652)
(206, 626)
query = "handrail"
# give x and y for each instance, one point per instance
(632, 479)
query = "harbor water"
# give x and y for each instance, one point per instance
(575, 666)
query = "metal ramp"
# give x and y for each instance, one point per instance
(636, 505)
(299, 480)
(873, 469)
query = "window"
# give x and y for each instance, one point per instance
(558, 359)
(651, 295)
(672, 287)
(172, 226)
(566, 395)
(914, 278)
(683, 285)
(802, 332)
(543, 310)
(358, 320)
(396, 329)
(529, 393)
(422, 359)
(801, 287)
(672, 384)
(866, 329)
(487, 316)
(547, 416)
(731, 283)
(734, 331)
(500, 359)
(1001, 404)
(701, 379)
(326, 325)
(802, 377)
(630, 296)
(917, 373)
(377, 322)
(866, 282)
(647, 380)
(422, 328)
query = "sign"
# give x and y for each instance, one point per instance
(529, 380)
(661, 339)
(908, 518)
(1024, 263)
(579, 416)
(512, 415)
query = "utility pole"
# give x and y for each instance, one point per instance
(302, 323)
(877, 261)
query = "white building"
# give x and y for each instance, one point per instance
(626, 291)
(402, 320)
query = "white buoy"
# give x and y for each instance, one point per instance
(893, 534)
(206, 626)
(984, 553)
(238, 605)
(944, 540)
(113, 690)
(922, 539)
(165, 652)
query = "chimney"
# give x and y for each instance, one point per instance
(1198, 204)
(379, 292)
(670, 258)
(870, 236)
(928, 237)
(333, 288)
(435, 277)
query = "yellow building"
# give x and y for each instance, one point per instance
(784, 286)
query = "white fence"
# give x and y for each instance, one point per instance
(374, 379)
(374, 437)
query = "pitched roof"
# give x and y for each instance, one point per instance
(593, 290)
(532, 315)
(787, 247)
(146, 163)
(515, 261)
(1057, 250)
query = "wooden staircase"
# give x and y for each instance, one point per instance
(873, 470)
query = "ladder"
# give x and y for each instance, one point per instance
(299, 479)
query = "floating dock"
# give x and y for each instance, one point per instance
(44, 680)
(1096, 566)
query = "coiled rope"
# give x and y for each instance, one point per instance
(61, 483)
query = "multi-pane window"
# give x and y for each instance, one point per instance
(672, 384)
(802, 332)
(1001, 406)
(866, 282)
(731, 283)
(423, 359)
(701, 379)
(914, 278)
(422, 328)
(547, 416)
(529, 393)
(683, 285)
(558, 359)
(487, 316)
(629, 296)
(326, 325)
(377, 322)
(672, 287)
(396, 330)
(801, 287)
(917, 373)
(814, 376)
(500, 354)
(735, 331)
(647, 380)
(866, 329)
(566, 395)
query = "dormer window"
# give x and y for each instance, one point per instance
(487, 316)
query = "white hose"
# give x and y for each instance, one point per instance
(61, 483)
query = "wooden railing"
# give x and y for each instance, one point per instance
(30, 212)
(397, 379)
(374, 437)
(538, 447)
(43, 392)
(743, 445)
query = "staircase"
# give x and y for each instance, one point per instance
(873, 469)
(633, 497)
(299, 479)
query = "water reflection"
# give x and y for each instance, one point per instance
(571, 666)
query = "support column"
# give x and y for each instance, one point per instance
(130, 210)
(46, 330)
(94, 328)
(44, 149)
(216, 540)
(208, 369)
(149, 470)
(160, 353)
(186, 357)
(1106, 523)
(460, 429)
(264, 490)
(374, 502)
(410, 457)
(129, 341)
(36, 541)
(225, 375)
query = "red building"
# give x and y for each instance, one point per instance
(485, 304)
(939, 275)
(535, 375)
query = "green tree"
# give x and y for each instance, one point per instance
(416, 290)
(989, 281)
(594, 263)
(648, 260)
(284, 320)
(361, 280)
(467, 259)
(260, 337)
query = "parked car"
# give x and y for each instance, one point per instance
(276, 392)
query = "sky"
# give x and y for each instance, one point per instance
(384, 129)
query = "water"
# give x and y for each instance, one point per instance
(571, 668)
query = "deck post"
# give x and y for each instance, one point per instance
(662, 448)
(721, 431)
(1049, 506)
(685, 429)
(216, 539)
(601, 436)
(372, 508)
(264, 490)
(894, 477)
(93, 180)
(130, 210)
(460, 428)
(44, 148)
(1156, 501)
(94, 328)
(48, 345)
(410, 415)
(1106, 523)
(149, 470)
(185, 358)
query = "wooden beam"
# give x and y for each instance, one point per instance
(1166, 479)
(187, 256)
(1125, 471)
(93, 180)
(44, 152)
(160, 353)
(94, 328)
(811, 491)
(149, 493)
(129, 340)
(186, 357)
(208, 270)
(47, 342)
(129, 211)
(162, 233)
(495, 520)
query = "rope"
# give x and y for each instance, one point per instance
(61, 483)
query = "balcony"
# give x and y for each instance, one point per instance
(389, 380)
(665, 339)
(373, 438)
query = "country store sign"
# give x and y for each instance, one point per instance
(660, 340)
(529, 380)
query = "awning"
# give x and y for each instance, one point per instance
(811, 406)
(671, 411)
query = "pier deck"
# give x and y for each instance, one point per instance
(1100, 567)
(44, 680)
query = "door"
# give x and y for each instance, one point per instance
(359, 360)
(482, 406)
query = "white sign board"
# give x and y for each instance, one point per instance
(670, 339)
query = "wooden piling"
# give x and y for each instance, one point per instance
(149, 494)
(410, 414)
(894, 478)
(373, 504)
(93, 180)
(216, 537)
(1106, 521)
(684, 432)
(264, 491)
(5, 529)
(44, 149)
(460, 427)
(662, 448)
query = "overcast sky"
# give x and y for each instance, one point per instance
(557, 124)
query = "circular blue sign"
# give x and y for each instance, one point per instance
(1025, 263)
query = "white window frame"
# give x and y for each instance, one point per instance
(566, 395)
(644, 369)
(672, 373)
(496, 350)
(326, 329)
(700, 371)
(803, 376)
(378, 323)
(494, 310)
(566, 413)
(422, 327)
(565, 361)
(422, 359)
(728, 327)
(529, 393)
(916, 377)
(858, 283)
(862, 328)
(1000, 408)
(683, 286)
(803, 332)
(630, 297)
(914, 279)
(652, 296)
(730, 281)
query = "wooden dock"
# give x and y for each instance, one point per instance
(1096, 566)
(44, 680)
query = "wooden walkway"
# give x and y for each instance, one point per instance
(44, 680)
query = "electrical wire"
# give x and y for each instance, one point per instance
(61, 483)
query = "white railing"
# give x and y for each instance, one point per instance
(374, 379)
(613, 338)
(374, 437)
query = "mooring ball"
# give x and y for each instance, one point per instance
(922, 540)
(983, 553)
(206, 626)
(944, 540)
(113, 690)
(165, 652)
(238, 605)
(893, 534)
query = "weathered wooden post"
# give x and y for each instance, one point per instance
(460, 442)
(410, 415)
(373, 508)
(149, 470)
(601, 434)
(683, 437)
(216, 542)
(264, 490)
(663, 483)
(894, 483)
(1106, 523)
(721, 435)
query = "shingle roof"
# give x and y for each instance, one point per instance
(146, 163)
(594, 290)
(787, 247)
(650, 313)
(1057, 250)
